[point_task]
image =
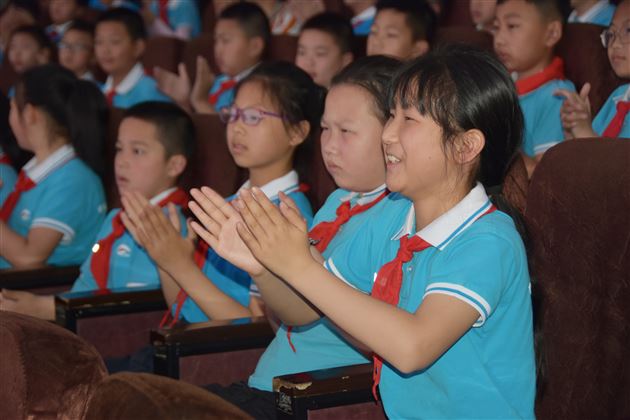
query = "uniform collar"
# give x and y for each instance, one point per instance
(624, 97)
(161, 196)
(448, 226)
(38, 171)
(367, 14)
(245, 73)
(128, 83)
(61, 28)
(287, 184)
(366, 197)
(590, 13)
(88, 75)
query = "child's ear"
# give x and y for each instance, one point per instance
(346, 59)
(176, 165)
(419, 48)
(256, 47)
(468, 146)
(554, 33)
(299, 132)
(139, 45)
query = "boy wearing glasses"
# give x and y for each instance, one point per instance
(76, 49)
(525, 34)
(612, 120)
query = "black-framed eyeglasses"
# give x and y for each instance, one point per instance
(609, 36)
(249, 116)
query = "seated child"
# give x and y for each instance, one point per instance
(402, 29)
(155, 142)
(364, 12)
(612, 120)
(597, 12)
(269, 128)
(355, 113)
(120, 40)
(241, 35)
(324, 47)
(422, 289)
(76, 49)
(172, 18)
(54, 212)
(525, 34)
(28, 47)
(482, 13)
(62, 13)
(14, 15)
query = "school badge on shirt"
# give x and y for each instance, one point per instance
(25, 215)
(123, 250)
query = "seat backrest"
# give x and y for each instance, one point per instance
(579, 226)
(45, 371)
(164, 52)
(463, 35)
(456, 12)
(318, 179)
(586, 60)
(8, 76)
(212, 163)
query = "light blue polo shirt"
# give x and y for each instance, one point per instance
(479, 259)
(99, 5)
(319, 345)
(362, 23)
(608, 111)
(136, 87)
(8, 176)
(129, 264)
(231, 280)
(227, 97)
(180, 13)
(68, 197)
(541, 110)
(601, 13)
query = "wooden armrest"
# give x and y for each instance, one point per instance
(207, 337)
(297, 393)
(38, 277)
(71, 306)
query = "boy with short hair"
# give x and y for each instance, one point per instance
(325, 46)
(155, 143)
(28, 47)
(403, 29)
(76, 49)
(525, 34)
(364, 12)
(597, 12)
(62, 13)
(120, 40)
(241, 35)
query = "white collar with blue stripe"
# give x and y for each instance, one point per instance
(589, 14)
(161, 196)
(37, 171)
(625, 97)
(129, 82)
(366, 197)
(440, 232)
(287, 184)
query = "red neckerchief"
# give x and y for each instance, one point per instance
(23, 184)
(324, 232)
(225, 85)
(389, 282)
(615, 125)
(5, 159)
(163, 9)
(99, 265)
(554, 71)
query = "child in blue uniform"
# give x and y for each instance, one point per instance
(443, 295)
(53, 213)
(612, 120)
(62, 13)
(241, 35)
(155, 142)
(178, 18)
(269, 128)
(525, 34)
(120, 40)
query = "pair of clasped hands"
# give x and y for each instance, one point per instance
(250, 231)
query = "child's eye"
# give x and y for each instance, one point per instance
(323, 128)
(117, 149)
(512, 26)
(137, 151)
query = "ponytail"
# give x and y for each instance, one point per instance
(76, 108)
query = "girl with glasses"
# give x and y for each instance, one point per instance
(612, 120)
(276, 111)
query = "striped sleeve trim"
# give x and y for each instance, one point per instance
(465, 295)
(67, 231)
(542, 148)
(330, 266)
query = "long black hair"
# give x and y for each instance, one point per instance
(77, 109)
(298, 99)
